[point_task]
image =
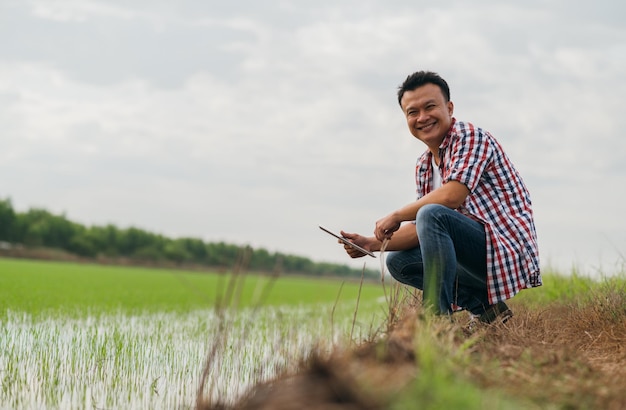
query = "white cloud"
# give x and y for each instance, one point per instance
(256, 125)
(77, 10)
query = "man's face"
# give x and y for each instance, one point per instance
(428, 114)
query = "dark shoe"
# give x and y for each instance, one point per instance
(499, 313)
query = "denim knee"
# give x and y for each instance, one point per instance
(406, 267)
(394, 264)
(427, 213)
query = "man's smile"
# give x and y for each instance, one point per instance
(427, 127)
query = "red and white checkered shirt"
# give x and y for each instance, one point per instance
(498, 199)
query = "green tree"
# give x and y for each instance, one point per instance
(262, 260)
(7, 221)
(176, 251)
(222, 254)
(132, 239)
(105, 239)
(151, 253)
(41, 228)
(38, 227)
(82, 243)
(195, 249)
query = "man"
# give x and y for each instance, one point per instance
(472, 242)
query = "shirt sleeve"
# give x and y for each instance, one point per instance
(470, 156)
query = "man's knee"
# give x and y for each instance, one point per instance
(405, 268)
(393, 264)
(428, 213)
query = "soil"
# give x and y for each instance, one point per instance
(562, 355)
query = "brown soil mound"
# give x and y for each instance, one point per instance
(564, 356)
(359, 379)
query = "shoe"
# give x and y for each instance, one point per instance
(499, 312)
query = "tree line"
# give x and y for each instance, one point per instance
(38, 228)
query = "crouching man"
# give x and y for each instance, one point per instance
(471, 243)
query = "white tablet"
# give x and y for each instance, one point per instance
(347, 242)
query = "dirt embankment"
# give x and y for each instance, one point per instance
(562, 355)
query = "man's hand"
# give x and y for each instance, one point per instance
(386, 226)
(451, 194)
(362, 241)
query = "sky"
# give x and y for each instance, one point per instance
(254, 122)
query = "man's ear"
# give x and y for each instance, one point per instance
(450, 108)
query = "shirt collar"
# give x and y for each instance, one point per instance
(447, 139)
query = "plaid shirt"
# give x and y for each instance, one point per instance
(498, 199)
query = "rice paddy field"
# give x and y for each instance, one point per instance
(77, 336)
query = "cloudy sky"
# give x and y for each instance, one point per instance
(253, 122)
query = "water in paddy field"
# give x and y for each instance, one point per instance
(154, 360)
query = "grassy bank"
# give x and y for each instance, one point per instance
(564, 348)
(87, 336)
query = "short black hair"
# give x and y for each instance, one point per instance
(420, 78)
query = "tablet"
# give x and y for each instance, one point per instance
(347, 242)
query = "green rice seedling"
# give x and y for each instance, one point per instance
(88, 336)
(38, 287)
(152, 360)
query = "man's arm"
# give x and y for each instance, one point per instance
(451, 194)
(404, 238)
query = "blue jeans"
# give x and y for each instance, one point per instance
(450, 263)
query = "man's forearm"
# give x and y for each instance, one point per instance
(403, 239)
(451, 195)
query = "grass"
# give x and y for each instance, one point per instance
(104, 337)
(563, 349)
(89, 336)
(558, 287)
(151, 360)
(37, 287)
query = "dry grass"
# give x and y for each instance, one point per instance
(567, 354)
